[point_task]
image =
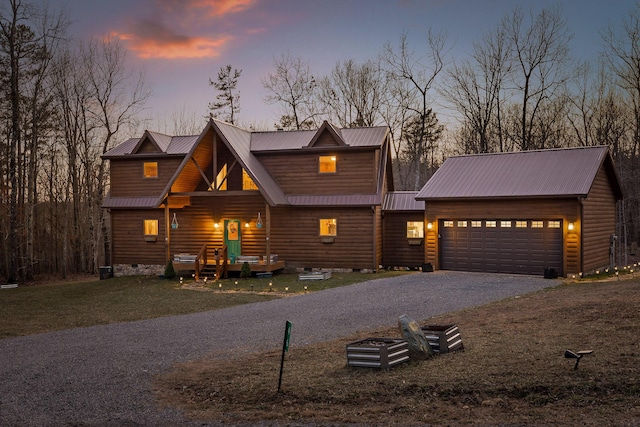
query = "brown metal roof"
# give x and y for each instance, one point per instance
(168, 145)
(130, 202)
(334, 200)
(239, 142)
(295, 140)
(244, 144)
(122, 149)
(161, 139)
(543, 173)
(402, 201)
(181, 144)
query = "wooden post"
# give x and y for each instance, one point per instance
(167, 230)
(268, 224)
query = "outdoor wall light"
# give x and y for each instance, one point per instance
(429, 225)
(571, 226)
(216, 225)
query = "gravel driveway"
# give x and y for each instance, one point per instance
(101, 376)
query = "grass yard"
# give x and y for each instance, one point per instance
(512, 372)
(55, 306)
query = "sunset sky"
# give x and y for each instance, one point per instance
(182, 43)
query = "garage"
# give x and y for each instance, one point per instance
(501, 246)
(523, 212)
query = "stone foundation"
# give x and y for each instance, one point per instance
(138, 270)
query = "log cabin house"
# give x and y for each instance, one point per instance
(523, 212)
(324, 199)
(295, 199)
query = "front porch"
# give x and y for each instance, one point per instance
(202, 265)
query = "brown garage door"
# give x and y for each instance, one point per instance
(501, 246)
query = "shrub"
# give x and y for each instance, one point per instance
(169, 272)
(246, 270)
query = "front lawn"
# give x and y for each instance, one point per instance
(44, 308)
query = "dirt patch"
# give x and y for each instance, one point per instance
(512, 372)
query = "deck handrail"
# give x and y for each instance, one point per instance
(200, 258)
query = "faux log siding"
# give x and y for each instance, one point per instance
(572, 260)
(147, 147)
(325, 140)
(298, 173)
(127, 176)
(397, 251)
(127, 231)
(295, 238)
(196, 224)
(599, 223)
(563, 209)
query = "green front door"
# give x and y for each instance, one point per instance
(232, 238)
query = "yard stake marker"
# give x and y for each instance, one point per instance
(285, 348)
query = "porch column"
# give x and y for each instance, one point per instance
(167, 231)
(268, 230)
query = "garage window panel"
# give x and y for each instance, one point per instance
(553, 224)
(490, 224)
(462, 224)
(521, 224)
(505, 224)
(448, 224)
(537, 224)
(476, 224)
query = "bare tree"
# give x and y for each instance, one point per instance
(541, 58)
(41, 119)
(622, 51)
(119, 93)
(353, 93)
(420, 75)
(293, 86)
(27, 36)
(185, 122)
(475, 88)
(227, 105)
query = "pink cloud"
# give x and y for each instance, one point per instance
(200, 8)
(223, 7)
(182, 28)
(187, 47)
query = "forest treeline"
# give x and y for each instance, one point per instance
(66, 101)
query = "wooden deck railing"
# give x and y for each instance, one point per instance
(201, 260)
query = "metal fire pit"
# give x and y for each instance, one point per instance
(381, 353)
(443, 338)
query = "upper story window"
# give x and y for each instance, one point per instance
(327, 164)
(150, 169)
(221, 179)
(247, 182)
(415, 229)
(328, 227)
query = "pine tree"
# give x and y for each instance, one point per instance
(227, 105)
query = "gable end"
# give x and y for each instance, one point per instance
(146, 146)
